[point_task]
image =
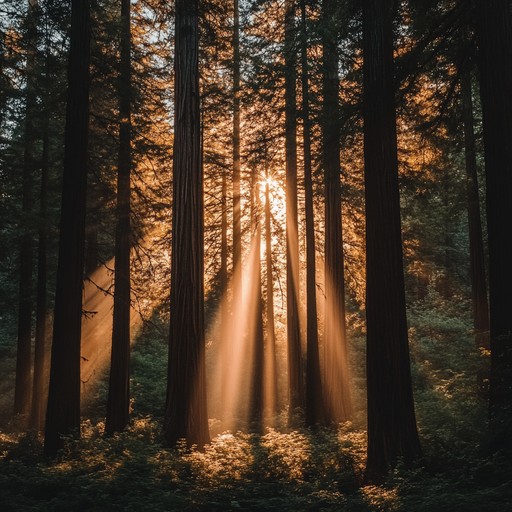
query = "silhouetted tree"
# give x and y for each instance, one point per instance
(185, 414)
(495, 54)
(392, 429)
(118, 405)
(256, 302)
(476, 246)
(338, 402)
(63, 412)
(295, 371)
(23, 355)
(36, 420)
(314, 394)
(270, 341)
(237, 229)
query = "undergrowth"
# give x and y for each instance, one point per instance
(299, 470)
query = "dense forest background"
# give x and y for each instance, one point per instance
(254, 254)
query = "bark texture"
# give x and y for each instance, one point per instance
(185, 414)
(392, 429)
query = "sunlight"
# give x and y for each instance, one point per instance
(98, 307)
(334, 360)
(232, 356)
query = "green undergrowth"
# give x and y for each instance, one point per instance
(283, 469)
(297, 470)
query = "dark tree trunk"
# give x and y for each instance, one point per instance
(271, 366)
(392, 429)
(3, 78)
(257, 339)
(237, 229)
(23, 354)
(223, 274)
(295, 372)
(495, 47)
(37, 410)
(314, 395)
(63, 412)
(338, 401)
(118, 405)
(186, 414)
(476, 246)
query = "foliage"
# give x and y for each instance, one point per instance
(279, 470)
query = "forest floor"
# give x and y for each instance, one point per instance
(283, 469)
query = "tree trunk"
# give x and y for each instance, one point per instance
(338, 401)
(223, 274)
(392, 429)
(476, 246)
(37, 410)
(295, 371)
(495, 48)
(237, 229)
(63, 412)
(118, 405)
(314, 395)
(256, 337)
(23, 353)
(185, 414)
(271, 366)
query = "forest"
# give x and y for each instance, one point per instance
(255, 255)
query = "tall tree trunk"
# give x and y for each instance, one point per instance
(185, 414)
(314, 394)
(257, 339)
(63, 412)
(237, 229)
(223, 274)
(476, 246)
(37, 411)
(23, 354)
(392, 429)
(3, 79)
(295, 371)
(118, 405)
(338, 401)
(495, 48)
(271, 366)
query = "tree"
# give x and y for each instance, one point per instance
(185, 414)
(256, 309)
(237, 229)
(118, 406)
(495, 53)
(23, 354)
(392, 429)
(63, 412)
(338, 402)
(295, 376)
(314, 395)
(270, 341)
(38, 383)
(476, 246)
